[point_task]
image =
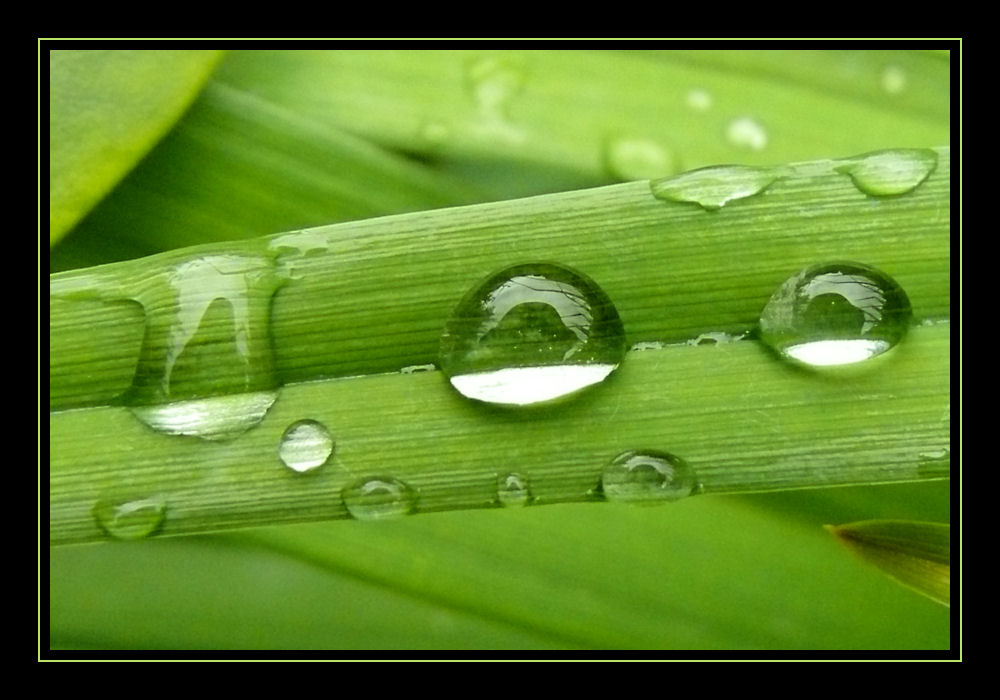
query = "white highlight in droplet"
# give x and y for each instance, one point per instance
(521, 386)
(825, 353)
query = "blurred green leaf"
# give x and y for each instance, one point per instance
(107, 108)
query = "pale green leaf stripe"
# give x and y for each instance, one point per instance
(372, 296)
(107, 109)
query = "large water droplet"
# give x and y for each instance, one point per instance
(714, 187)
(891, 172)
(306, 445)
(377, 498)
(531, 333)
(748, 133)
(648, 477)
(134, 519)
(513, 490)
(836, 314)
(206, 366)
(638, 159)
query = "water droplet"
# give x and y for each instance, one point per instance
(531, 333)
(893, 80)
(746, 132)
(131, 519)
(716, 338)
(716, 186)
(513, 490)
(493, 83)
(413, 369)
(836, 314)
(206, 367)
(638, 159)
(648, 345)
(378, 498)
(648, 477)
(698, 99)
(890, 172)
(212, 418)
(305, 445)
(935, 464)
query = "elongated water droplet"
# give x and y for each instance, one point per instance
(377, 498)
(306, 445)
(638, 159)
(891, 172)
(493, 83)
(513, 490)
(206, 366)
(747, 133)
(648, 477)
(130, 519)
(714, 187)
(836, 314)
(531, 333)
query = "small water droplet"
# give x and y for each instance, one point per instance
(893, 80)
(638, 159)
(891, 172)
(747, 132)
(716, 338)
(836, 314)
(134, 519)
(378, 498)
(306, 445)
(493, 83)
(698, 99)
(648, 477)
(714, 187)
(529, 334)
(413, 369)
(935, 464)
(434, 133)
(513, 490)
(648, 345)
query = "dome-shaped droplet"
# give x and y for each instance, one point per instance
(305, 445)
(130, 519)
(647, 477)
(513, 490)
(531, 333)
(890, 172)
(714, 187)
(836, 314)
(377, 498)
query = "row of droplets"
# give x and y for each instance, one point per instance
(494, 83)
(536, 333)
(632, 477)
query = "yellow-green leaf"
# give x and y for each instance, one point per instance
(107, 109)
(916, 554)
